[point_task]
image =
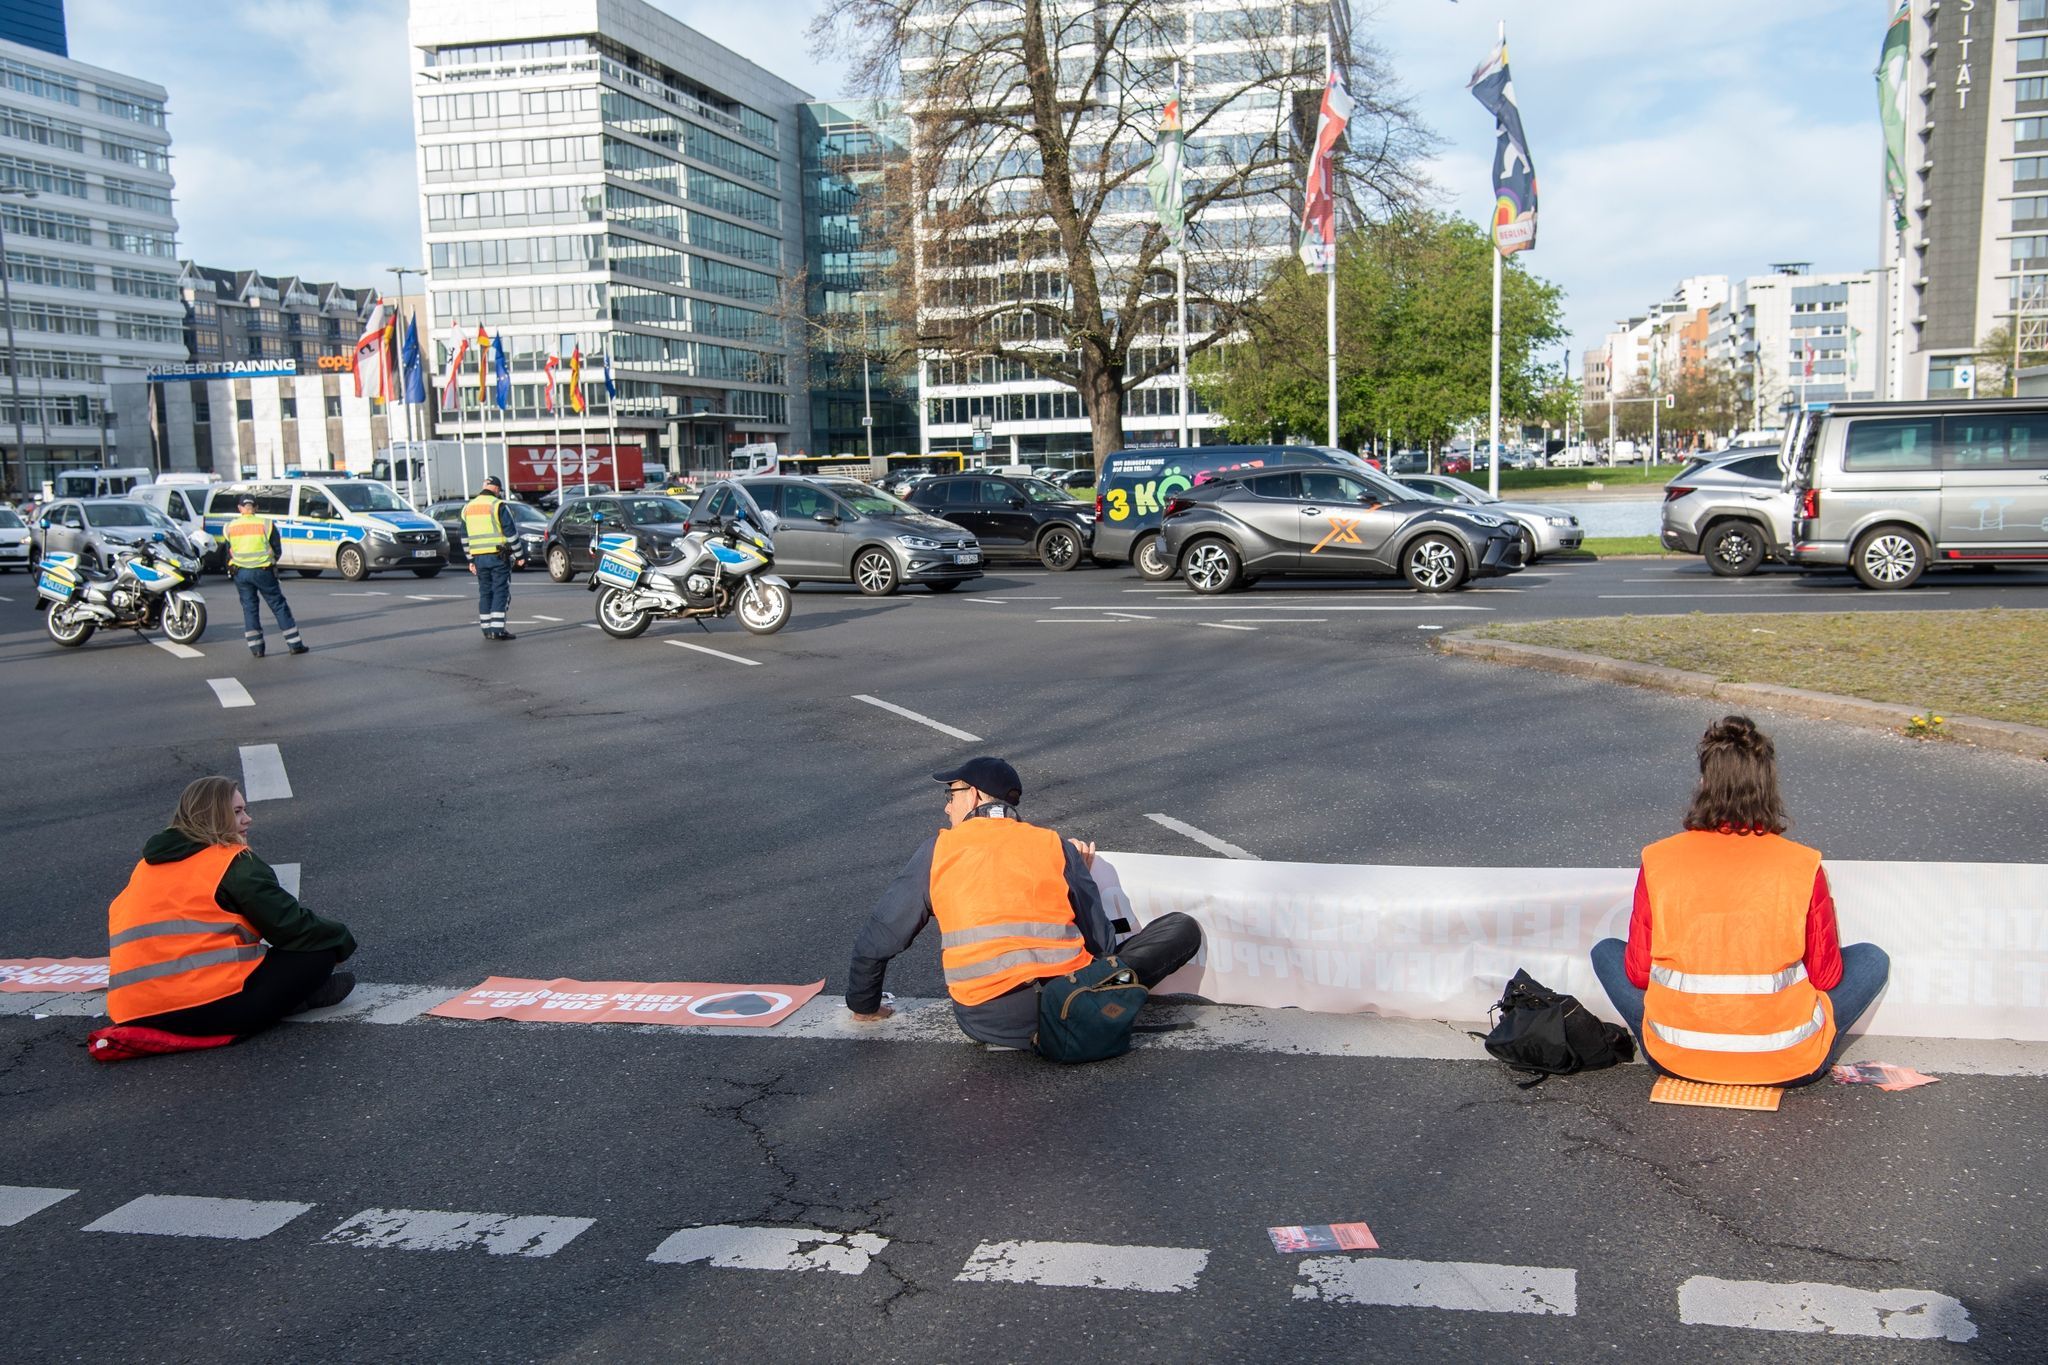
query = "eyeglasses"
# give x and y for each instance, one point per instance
(955, 791)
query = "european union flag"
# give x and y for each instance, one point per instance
(503, 370)
(415, 375)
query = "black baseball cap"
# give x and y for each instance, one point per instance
(493, 481)
(988, 774)
(246, 500)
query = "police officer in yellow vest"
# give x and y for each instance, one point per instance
(1016, 905)
(252, 555)
(488, 535)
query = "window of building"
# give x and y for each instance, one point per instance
(245, 410)
(2025, 130)
(39, 81)
(334, 405)
(288, 408)
(2029, 210)
(142, 155)
(2030, 90)
(2031, 49)
(28, 127)
(134, 108)
(2033, 10)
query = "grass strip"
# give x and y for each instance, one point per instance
(1626, 545)
(1968, 663)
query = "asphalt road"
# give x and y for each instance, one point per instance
(571, 805)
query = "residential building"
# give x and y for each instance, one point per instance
(594, 174)
(1792, 336)
(91, 261)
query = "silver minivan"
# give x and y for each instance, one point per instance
(1889, 490)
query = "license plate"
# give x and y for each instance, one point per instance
(424, 554)
(967, 557)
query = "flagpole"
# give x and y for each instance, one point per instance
(1180, 277)
(1330, 266)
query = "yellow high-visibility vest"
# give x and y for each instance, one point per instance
(249, 543)
(481, 533)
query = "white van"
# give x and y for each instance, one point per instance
(99, 483)
(355, 526)
(185, 505)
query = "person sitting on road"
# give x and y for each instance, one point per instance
(1016, 905)
(204, 942)
(1733, 973)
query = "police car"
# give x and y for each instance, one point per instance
(354, 526)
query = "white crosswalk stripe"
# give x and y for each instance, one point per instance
(231, 693)
(181, 1215)
(1086, 1265)
(25, 1201)
(1901, 1314)
(263, 775)
(753, 1248)
(1468, 1286)
(500, 1234)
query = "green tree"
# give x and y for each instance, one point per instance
(1414, 322)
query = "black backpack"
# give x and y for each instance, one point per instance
(1539, 1031)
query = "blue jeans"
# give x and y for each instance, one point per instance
(493, 591)
(252, 584)
(1865, 969)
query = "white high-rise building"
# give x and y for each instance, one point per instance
(91, 261)
(594, 173)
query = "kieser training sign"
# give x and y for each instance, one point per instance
(53, 974)
(563, 1001)
(1968, 941)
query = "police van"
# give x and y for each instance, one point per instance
(356, 527)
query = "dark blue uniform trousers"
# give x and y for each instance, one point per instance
(493, 591)
(250, 584)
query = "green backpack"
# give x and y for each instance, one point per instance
(1086, 1015)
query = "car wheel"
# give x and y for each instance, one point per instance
(1434, 564)
(1059, 549)
(309, 573)
(558, 564)
(1211, 566)
(1734, 549)
(1149, 558)
(1529, 555)
(943, 585)
(352, 564)
(874, 572)
(1889, 558)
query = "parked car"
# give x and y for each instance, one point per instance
(1409, 462)
(1545, 530)
(13, 540)
(96, 529)
(530, 521)
(1312, 519)
(1892, 489)
(1136, 483)
(1075, 480)
(1013, 517)
(553, 498)
(838, 530)
(567, 541)
(1731, 509)
(185, 504)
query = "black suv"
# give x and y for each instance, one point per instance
(657, 520)
(1012, 516)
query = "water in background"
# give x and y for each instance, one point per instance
(1619, 518)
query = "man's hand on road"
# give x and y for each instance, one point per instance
(877, 1017)
(1086, 849)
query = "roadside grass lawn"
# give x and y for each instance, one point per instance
(1952, 663)
(1619, 476)
(1625, 545)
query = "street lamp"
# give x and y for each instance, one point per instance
(13, 365)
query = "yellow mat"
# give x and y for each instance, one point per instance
(1671, 1090)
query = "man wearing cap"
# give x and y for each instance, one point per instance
(253, 548)
(488, 536)
(1016, 905)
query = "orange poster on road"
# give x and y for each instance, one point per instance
(563, 1001)
(57, 974)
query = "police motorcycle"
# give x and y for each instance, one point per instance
(142, 593)
(703, 574)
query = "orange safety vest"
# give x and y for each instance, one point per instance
(999, 892)
(1729, 1002)
(170, 945)
(249, 543)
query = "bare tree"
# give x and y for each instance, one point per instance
(1034, 245)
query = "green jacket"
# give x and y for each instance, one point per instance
(250, 889)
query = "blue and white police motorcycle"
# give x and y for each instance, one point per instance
(144, 592)
(705, 574)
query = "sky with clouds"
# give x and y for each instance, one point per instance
(1671, 137)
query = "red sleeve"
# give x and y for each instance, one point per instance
(1636, 961)
(1823, 942)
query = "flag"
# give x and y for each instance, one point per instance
(503, 369)
(1166, 179)
(547, 394)
(483, 365)
(415, 363)
(451, 391)
(1855, 342)
(1319, 201)
(611, 390)
(372, 339)
(1807, 373)
(1514, 174)
(1891, 107)
(576, 380)
(388, 358)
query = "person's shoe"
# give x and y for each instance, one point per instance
(333, 991)
(506, 635)
(302, 649)
(256, 651)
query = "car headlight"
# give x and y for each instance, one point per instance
(917, 542)
(379, 533)
(1484, 519)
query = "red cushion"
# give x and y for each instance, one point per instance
(125, 1042)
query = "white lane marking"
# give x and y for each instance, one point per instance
(1130, 616)
(432, 597)
(24, 1201)
(370, 1003)
(501, 1234)
(1660, 596)
(1279, 620)
(556, 619)
(176, 650)
(743, 1248)
(6, 599)
(1254, 606)
(1076, 621)
(1737, 585)
(263, 776)
(231, 692)
(1223, 625)
(359, 594)
(1469, 1286)
(986, 601)
(592, 625)
(1202, 837)
(716, 653)
(909, 714)
(287, 876)
(1086, 1265)
(181, 1215)
(1010, 597)
(1901, 1314)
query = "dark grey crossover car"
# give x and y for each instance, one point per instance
(1318, 519)
(837, 530)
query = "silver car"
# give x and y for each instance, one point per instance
(1732, 510)
(1545, 530)
(13, 540)
(96, 529)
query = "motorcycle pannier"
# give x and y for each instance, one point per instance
(59, 579)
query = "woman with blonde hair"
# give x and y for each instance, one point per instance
(1733, 972)
(204, 942)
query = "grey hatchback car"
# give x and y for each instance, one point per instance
(836, 530)
(1731, 509)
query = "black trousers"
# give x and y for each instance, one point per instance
(1155, 952)
(278, 986)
